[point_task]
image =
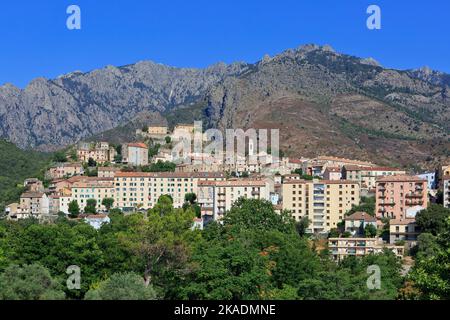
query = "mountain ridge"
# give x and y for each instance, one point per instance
(48, 114)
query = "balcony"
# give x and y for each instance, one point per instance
(414, 195)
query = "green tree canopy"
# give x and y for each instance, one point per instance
(91, 206)
(108, 203)
(74, 209)
(433, 219)
(122, 286)
(30, 282)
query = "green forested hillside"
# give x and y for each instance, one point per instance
(15, 166)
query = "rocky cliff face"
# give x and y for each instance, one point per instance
(321, 100)
(51, 113)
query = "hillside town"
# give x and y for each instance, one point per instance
(326, 192)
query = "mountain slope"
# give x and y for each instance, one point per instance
(323, 102)
(15, 166)
(51, 113)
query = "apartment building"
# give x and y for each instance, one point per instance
(100, 152)
(398, 195)
(324, 202)
(158, 130)
(65, 170)
(358, 221)
(403, 230)
(143, 189)
(446, 191)
(442, 172)
(367, 176)
(81, 191)
(217, 197)
(107, 172)
(332, 173)
(34, 204)
(316, 166)
(431, 178)
(341, 248)
(135, 154)
(33, 185)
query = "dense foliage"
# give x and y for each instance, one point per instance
(15, 166)
(254, 254)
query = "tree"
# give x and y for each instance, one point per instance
(91, 206)
(108, 203)
(153, 150)
(370, 231)
(426, 247)
(367, 205)
(92, 163)
(302, 225)
(168, 140)
(122, 286)
(191, 198)
(59, 156)
(430, 273)
(30, 282)
(254, 213)
(433, 219)
(74, 209)
(334, 233)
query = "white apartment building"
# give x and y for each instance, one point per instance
(98, 190)
(135, 154)
(217, 197)
(446, 191)
(134, 190)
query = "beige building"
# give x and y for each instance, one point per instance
(332, 173)
(446, 190)
(135, 154)
(324, 202)
(34, 204)
(107, 172)
(341, 248)
(217, 197)
(158, 130)
(82, 191)
(100, 152)
(367, 176)
(357, 222)
(404, 229)
(142, 189)
(33, 185)
(65, 170)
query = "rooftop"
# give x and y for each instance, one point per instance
(137, 145)
(401, 178)
(361, 215)
(170, 174)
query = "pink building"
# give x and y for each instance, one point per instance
(396, 194)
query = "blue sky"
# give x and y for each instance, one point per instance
(36, 43)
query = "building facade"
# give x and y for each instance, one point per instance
(367, 176)
(403, 230)
(65, 170)
(143, 189)
(217, 197)
(341, 248)
(396, 194)
(324, 202)
(100, 152)
(82, 191)
(446, 191)
(135, 154)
